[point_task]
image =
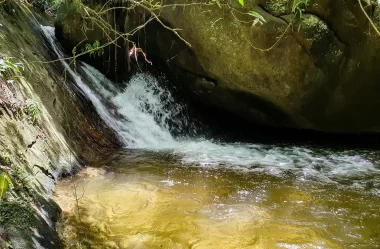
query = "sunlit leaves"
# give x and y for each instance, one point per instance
(5, 183)
(218, 3)
(6, 63)
(258, 18)
(34, 110)
(93, 49)
(299, 7)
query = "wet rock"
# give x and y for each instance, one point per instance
(66, 133)
(316, 73)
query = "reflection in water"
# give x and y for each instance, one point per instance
(150, 201)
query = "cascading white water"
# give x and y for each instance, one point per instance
(143, 114)
(139, 115)
(137, 112)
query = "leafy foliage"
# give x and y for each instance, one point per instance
(258, 18)
(5, 183)
(7, 64)
(93, 49)
(17, 214)
(299, 7)
(46, 4)
(9, 244)
(5, 159)
(33, 110)
(218, 3)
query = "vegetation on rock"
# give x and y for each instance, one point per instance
(33, 109)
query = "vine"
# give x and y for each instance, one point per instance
(369, 18)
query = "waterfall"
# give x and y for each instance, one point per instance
(142, 115)
(145, 115)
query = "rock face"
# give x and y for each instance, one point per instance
(318, 73)
(35, 153)
(75, 32)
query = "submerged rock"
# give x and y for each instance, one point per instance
(316, 73)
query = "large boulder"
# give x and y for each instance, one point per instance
(316, 73)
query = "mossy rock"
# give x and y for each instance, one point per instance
(316, 73)
(16, 214)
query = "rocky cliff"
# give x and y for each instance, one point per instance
(36, 149)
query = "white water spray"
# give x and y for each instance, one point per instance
(139, 115)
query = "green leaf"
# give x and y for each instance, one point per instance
(260, 18)
(96, 44)
(12, 66)
(9, 245)
(218, 3)
(300, 5)
(5, 182)
(241, 2)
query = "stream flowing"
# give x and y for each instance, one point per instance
(169, 187)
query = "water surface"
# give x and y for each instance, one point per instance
(150, 200)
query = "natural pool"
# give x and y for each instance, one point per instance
(139, 199)
(171, 186)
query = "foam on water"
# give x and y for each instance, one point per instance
(145, 115)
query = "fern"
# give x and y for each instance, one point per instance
(33, 110)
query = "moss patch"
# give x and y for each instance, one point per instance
(5, 159)
(278, 7)
(16, 214)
